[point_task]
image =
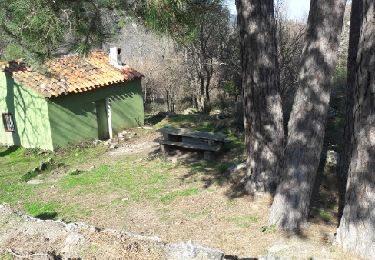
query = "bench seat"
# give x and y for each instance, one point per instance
(211, 148)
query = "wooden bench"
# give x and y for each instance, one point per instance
(207, 142)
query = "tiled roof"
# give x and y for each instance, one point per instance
(71, 74)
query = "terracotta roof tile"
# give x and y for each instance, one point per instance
(71, 74)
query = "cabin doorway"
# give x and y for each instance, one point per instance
(103, 113)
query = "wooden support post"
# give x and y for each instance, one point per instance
(162, 148)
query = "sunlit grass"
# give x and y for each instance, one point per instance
(168, 198)
(243, 221)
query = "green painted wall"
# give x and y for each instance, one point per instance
(73, 117)
(30, 113)
(48, 124)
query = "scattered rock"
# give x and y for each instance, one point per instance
(28, 236)
(237, 167)
(72, 244)
(277, 248)
(332, 158)
(190, 111)
(97, 142)
(43, 152)
(45, 165)
(113, 146)
(174, 159)
(74, 172)
(215, 112)
(36, 169)
(269, 257)
(147, 127)
(35, 182)
(190, 250)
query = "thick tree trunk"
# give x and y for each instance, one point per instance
(306, 126)
(345, 155)
(262, 103)
(357, 227)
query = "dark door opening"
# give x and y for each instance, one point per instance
(103, 118)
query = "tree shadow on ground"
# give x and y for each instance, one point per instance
(211, 172)
(154, 119)
(47, 215)
(216, 171)
(324, 199)
(8, 151)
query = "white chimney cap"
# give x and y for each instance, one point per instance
(115, 57)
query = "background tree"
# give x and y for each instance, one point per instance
(357, 231)
(306, 126)
(345, 155)
(230, 66)
(262, 102)
(42, 28)
(290, 37)
(205, 50)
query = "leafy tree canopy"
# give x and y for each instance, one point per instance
(39, 29)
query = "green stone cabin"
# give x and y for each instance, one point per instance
(75, 99)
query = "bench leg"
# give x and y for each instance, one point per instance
(208, 156)
(164, 148)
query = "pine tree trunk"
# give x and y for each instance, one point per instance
(345, 155)
(357, 227)
(262, 103)
(306, 126)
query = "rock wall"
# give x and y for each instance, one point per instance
(22, 236)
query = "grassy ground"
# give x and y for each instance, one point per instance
(146, 193)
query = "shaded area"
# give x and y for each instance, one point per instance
(47, 215)
(154, 119)
(8, 151)
(29, 112)
(150, 191)
(216, 171)
(73, 118)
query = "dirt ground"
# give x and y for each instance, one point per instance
(215, 213)
(23, 237)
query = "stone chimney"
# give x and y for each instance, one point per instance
(115, 57)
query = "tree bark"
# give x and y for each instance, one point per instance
(262, 103)
(209, 71)
(345, 155)
(357, 227)
(167, 99)
(306, 126)
(202, 96)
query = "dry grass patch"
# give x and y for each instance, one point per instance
(146, 194)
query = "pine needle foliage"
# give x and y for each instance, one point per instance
(40, 29)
